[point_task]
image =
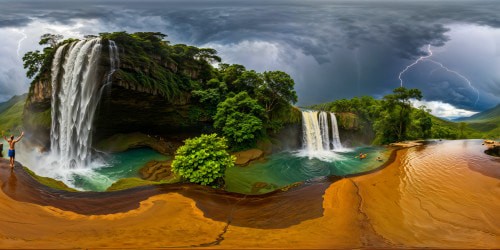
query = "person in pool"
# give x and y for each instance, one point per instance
(12, 147)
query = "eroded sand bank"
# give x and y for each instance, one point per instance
(445, 195)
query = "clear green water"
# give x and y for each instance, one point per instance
(119, 165)
(286, 168)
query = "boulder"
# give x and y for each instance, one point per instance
(243, 158)
(157, 171)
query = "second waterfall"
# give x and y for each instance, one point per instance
(318, 133)
(77, 82)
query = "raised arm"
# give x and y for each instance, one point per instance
(3, 135)
(20, 137)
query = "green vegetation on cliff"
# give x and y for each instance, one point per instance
(149, 61)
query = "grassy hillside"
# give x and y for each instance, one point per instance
(11, 113)
(454, 128)
(487, 122)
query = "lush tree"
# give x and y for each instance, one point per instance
(248, 81)
(423, 121)
(36, 61)
(277, 88)
(398, 105)
(33, 61)
(203, 160)
(240, 118)
(443, 132)
(50, 39)
(462, 126)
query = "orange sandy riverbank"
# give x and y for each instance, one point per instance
(441, 195)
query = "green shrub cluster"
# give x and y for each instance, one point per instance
(203, 160)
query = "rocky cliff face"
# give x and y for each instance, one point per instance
(354, 131)
(36, 116)
(128, 110)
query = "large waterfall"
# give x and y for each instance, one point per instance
(77, 82)
(316, 131)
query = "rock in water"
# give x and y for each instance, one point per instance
(245, 157)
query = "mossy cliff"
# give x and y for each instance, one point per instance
(36, 115)
(353, 130)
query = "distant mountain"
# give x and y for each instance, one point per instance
(11, 112)
(493, 113)
(11, 102)
(486, 121)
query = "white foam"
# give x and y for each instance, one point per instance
(322, 155)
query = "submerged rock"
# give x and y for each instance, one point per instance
(245, 157)
(157, 171)
(258, 186)
(493, 149)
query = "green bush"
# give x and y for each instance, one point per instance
(240, 119)
(203, 160)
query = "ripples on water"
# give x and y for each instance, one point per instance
(285, 168)
(438, 191)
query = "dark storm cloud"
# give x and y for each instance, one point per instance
(384, 34)
(6, 21)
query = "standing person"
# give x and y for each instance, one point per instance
(12, 147)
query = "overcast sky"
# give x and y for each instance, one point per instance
(333, 49)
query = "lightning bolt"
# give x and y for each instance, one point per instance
(414, 63)
(20, 41)
(442, 66)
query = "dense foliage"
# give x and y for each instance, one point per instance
(35, 61)
(240, 118)
(273, 90)
(149, 61)
(203, 160)
(395, 116)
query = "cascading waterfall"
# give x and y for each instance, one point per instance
(114, 60)
(76, 90)
(311, 132)
(335, 133)
(316, 131)
(325, 135)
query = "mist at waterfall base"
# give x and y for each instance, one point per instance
(101, 173)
